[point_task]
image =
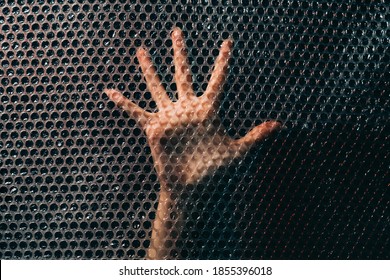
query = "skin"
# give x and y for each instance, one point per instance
(186, 137)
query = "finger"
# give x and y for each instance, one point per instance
(129, 107)
(219, 74)
(257, 134)
(182, 71)
(152, 80)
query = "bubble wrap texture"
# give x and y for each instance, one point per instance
(77, 179)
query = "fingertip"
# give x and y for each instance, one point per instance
(109, 92)
(177, 33)
(264, 130)
(112, 94)
(274, 125)
(141, 53)
(228, 43)
(177, 38)
(226, 48)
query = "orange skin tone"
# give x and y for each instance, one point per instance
(186, 137)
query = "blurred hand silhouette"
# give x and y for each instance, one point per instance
(186, 137)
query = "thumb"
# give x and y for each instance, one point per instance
(256, 135)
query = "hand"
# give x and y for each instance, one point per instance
(186, 137)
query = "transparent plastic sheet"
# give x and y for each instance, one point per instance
(77, 178)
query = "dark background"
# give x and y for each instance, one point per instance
(76, 174)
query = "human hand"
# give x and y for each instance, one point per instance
(186, 137)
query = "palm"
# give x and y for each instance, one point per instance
(186, 144)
